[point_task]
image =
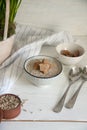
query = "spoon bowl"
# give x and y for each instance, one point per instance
(75, 73)
(84, 72)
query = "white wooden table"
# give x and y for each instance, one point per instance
(57, 15)
(37, 110)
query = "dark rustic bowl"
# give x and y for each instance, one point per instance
(11, 113)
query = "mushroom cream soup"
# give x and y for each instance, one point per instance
(42, 67)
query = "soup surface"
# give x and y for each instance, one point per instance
(43, 67)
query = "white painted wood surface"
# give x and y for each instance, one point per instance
(37, 110)
(41, 100)
(43, 126)
(70, 15)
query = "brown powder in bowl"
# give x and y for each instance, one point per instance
(68, 53)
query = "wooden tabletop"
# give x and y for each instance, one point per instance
(39, 102)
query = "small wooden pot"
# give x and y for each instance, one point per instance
(13, 112)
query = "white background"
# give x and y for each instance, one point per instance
(70, 15)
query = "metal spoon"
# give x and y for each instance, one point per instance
(72, 100)
(74, 75)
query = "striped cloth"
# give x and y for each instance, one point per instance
(28, 42)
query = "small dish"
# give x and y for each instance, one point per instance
(42, 78)
(70, 53)
(10, 106)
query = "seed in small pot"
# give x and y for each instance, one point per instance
(8, 102)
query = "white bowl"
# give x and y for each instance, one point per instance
(71, 47)
(38, 80)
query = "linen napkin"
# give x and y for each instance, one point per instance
(28, 42)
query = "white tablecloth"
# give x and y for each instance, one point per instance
(40, 101)
(28, 42)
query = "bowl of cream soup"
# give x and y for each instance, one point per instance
(42, 70)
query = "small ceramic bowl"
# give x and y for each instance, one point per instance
(10, 106)
(70, 53)
(41, 79)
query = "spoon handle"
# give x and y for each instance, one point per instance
(60, 103)
(72, 100)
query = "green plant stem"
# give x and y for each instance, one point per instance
(14, 6)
